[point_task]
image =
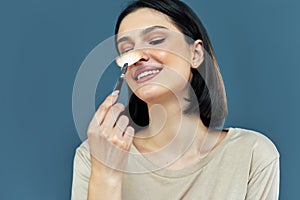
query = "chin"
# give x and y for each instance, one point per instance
(151, 93)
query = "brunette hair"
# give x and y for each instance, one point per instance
(206, 83)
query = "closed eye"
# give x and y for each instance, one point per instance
(158, 41)
(126, 50)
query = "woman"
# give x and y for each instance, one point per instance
(170, 144)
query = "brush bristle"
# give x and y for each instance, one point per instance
(129, 58)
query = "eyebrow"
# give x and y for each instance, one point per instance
(144, 32)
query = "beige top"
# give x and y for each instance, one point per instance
(245, 165)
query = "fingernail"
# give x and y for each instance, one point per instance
(115, 93)
(130, 131)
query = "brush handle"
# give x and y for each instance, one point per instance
(120, 81)
(119, 84)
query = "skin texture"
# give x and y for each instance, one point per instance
(109, 146)
(163, 55)
(110, 137)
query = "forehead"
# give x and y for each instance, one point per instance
(146, 17)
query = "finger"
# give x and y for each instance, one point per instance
(125, 142)
(128, 136)
(113, 115)
(121, 126)
(105, 106)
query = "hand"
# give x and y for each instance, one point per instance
(110, 137)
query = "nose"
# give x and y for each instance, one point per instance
(131, 58)
(134, 57)
(143, 56)
(139, 57)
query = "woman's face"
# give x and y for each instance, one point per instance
(164, 67)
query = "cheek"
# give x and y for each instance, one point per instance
(175, 75)
(172, 58)
(176, 63)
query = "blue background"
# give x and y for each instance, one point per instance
(43, 44)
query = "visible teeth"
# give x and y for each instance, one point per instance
(146, 73)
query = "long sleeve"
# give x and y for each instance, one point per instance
(81, 173)
(265, 184)
(263, 181)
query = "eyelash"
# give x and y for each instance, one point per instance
(158, 41)
(153, 42)
(126, 50)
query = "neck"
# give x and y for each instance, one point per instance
(169, 127)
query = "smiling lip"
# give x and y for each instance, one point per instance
(146, 73)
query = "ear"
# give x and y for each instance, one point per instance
(197, 54)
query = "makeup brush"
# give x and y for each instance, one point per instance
(125, 61)
(122, 76)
